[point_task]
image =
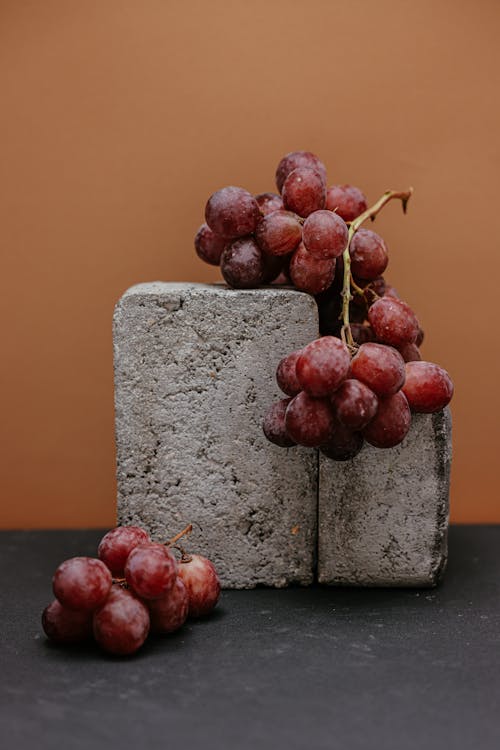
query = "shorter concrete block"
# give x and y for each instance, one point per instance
(383, 516)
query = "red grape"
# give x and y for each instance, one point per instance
(273, 266)
(304, 191)
(232, 212)
(410, 352)
(150, 570)
(322, 366)
(286, 374)
(309, 421)
(269, 202)
(368, 253)
(393, 321)
(380, 367)
(420, 337)
(298, 159)
(428, 387)
(347, 201)
(343, 445)
(362, 333)
(121, 625)
(309, 274)
(274, 424)
(82, 583)
(202, 583)
(278, 233)
(117, 544)
(170, 611)
(325, 235)
(208, 245)
(391, 292)
(391, 423)
(63, 625)
(355, 404)
(242, 264)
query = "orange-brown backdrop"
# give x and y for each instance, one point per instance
(120, 117)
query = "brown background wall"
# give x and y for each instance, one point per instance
(120, 117)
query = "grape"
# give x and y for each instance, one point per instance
(232, 212)
(202, 583)
(309, 421)
(322, 366)
(150, 570)
(309, 274)
(428, 387)
(121, 625)
(286, 374)
(304, 191)
(82, 583)
(269, 202)
(281, 279)
(410, 352)
(63, 625)
(355, 404)
(117, 544)
(368, 253)
(420, 337)
(273, 266)
(242, 264)
(298, 159)
(274, 424)
(325, 235)
(343, 445)
(380, 367)
(168, 613)
(391, 292)
(347, 201)
(208, 245)
(362, 333)
(278, 233)
(393, 321)
(391, 423)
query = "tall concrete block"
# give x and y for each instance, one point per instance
(383, 516)
(194, 375)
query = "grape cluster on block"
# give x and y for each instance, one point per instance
(133, 588)
(362, 379)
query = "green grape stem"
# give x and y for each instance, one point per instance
(370, 213)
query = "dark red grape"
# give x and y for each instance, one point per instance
(117, 545)
(410, 352)
(393, 321)
(368, 253)
(325, 235)
(242, 264)
(150, 570)
(347, 201)
(355, 404)
(420, 337)
(309, 421)
(286, 374)
(208, 245)
(168, 613)
(362, 333)
(232, 212)
(269, 202)
(82, 583)
(343, 445)
(309, 274)
(121, 625)
(304, 191)
(428, 387)
(296, 159)
(274, 424)
(278, 233)
(273, 266)
(281, 279)
(63, 625)
(202, 583)
(322, 366)
(380, 367)
(390, 292)
(391, 423)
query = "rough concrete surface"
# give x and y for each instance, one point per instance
(383, 516)
(194, 375)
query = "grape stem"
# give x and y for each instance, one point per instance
(178, 536)
(370, 213)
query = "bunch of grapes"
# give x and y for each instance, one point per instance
(362, 379)
(134, 587)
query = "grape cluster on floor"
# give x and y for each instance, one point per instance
(134, 587)
(364, 376)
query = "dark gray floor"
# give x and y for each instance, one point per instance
(296, 669)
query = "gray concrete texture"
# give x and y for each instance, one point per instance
(194, 375)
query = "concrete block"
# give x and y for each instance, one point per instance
(383, 516)
(194, 375)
